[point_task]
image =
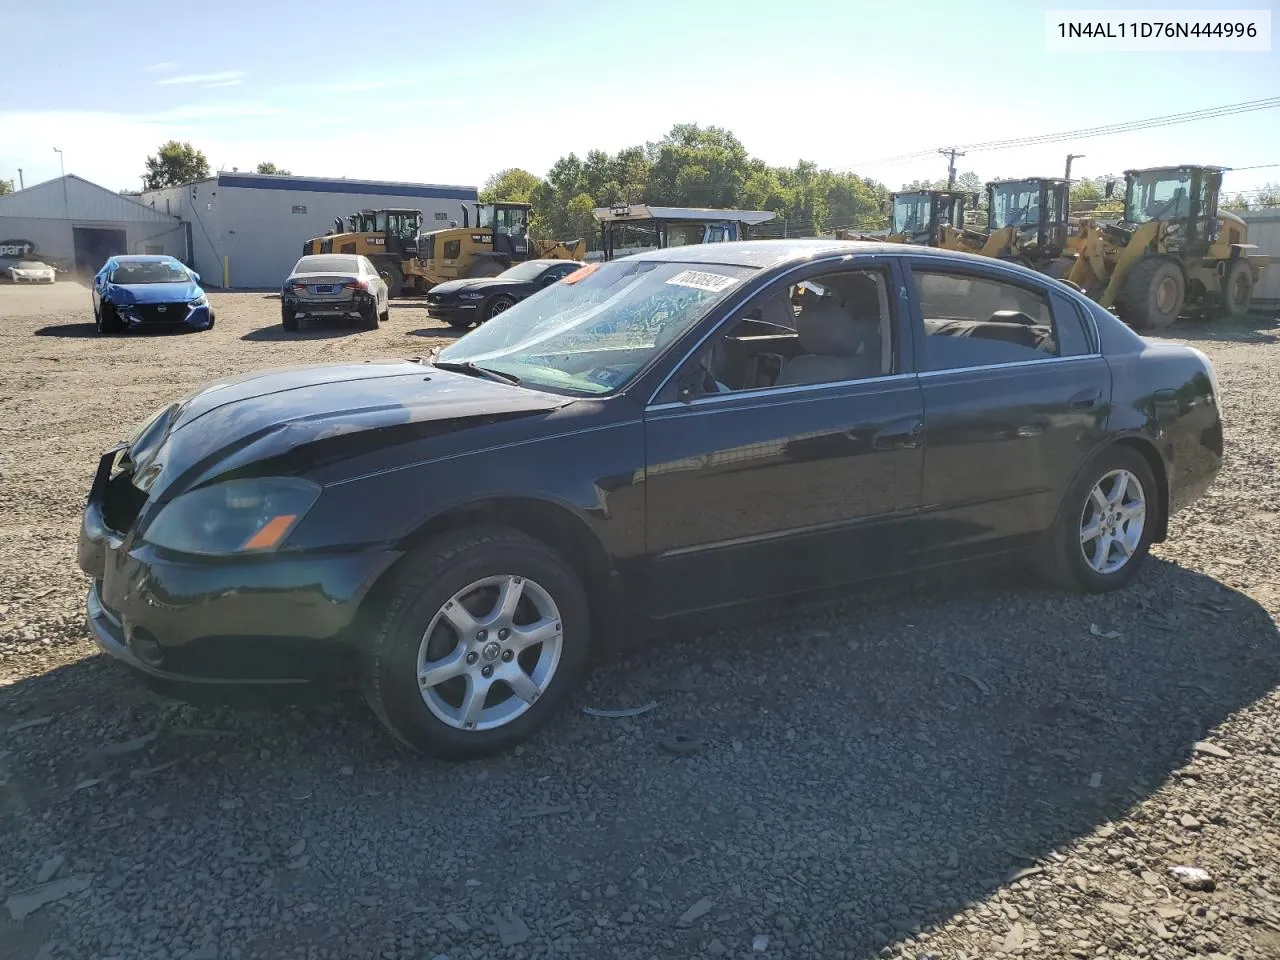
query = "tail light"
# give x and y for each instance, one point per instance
(299, 286)
(355, 285)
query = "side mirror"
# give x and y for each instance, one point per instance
(1111, 189)
(195, 276)
(548, 281)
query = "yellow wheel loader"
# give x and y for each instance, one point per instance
(389, 238)
(1172, 250)
(408, 259)
(931, 218)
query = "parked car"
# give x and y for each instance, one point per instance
(671, 432)
(334, 285)
(31, 271)
(463, 303)
(141, 292)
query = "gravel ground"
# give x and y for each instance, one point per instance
(968, 768)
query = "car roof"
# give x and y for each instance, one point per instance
(772, 253)
(550, 262)
(144, 258)
(339, 256)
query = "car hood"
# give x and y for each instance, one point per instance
(454, 286)
(153, 292)
(245, 424)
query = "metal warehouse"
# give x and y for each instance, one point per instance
(73, 224)
(247, 229)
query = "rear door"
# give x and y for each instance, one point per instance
(1015, 396)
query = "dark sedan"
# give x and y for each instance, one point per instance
(137, 292)
(465, 302)
(670, 432)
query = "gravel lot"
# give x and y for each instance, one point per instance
(957, 769)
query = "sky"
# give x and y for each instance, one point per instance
(450, 93)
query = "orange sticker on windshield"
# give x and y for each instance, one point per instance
(582, 273)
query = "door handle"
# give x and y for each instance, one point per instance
(901, 439)
(1085, 399)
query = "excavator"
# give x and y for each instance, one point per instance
(1173, 249)
(408, 259)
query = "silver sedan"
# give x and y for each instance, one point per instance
(334, 285)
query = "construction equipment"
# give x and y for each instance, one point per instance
(409, 259)
(1172, 249)
(923, 217)
(1026, 223)
(633, 228)
(389, 238)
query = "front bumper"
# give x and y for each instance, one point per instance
(146, 316)
(22, 279)
(286, 618)
(453, 309)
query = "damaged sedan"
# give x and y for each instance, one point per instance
(676, 431)
(145, 292)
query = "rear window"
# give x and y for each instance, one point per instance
(327, 265)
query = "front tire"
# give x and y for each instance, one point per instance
(1153, 295)
(485, 634)
(106, 319)
(1105, 524)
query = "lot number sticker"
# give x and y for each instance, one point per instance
(700, 280)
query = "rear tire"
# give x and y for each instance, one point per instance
(369, 315)
(469, 572)
(288, 319)
(1237, 290)
(1122, 520)
(1153, 295)
(392, 276)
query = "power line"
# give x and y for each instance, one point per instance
(1189, 116)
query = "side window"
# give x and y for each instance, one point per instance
(830, 328)
(452, 249)
(972, 321)
(1075, 332)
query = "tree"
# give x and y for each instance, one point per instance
(6, 186)
(266, 166)
(175, 164)
(513, 185)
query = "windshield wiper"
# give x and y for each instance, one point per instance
(470, 366)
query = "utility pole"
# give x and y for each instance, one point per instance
(66, 207)
(21, 185)
(1070, 157)
(951, 153)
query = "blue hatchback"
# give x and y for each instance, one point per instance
(136, 292)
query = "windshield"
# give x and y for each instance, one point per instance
(1015, 204)
(524, 271)
(910, 213)
(326, 265)
(31, 265)
(157, 272)
(594, 330)
(1158, 195)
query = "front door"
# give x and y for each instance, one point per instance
(784, 455)
(1015, 397)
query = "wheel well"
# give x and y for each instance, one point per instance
(1149, 453)
(554, 525)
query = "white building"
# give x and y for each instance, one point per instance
(247, 229)
(75, 225)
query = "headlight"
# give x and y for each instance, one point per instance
(239, 516)
(200, 301)
(471, 296)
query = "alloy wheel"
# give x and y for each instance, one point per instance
(490, 652)
(1112, 521)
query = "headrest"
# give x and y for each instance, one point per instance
(828, 330)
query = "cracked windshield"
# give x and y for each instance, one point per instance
(691, 480)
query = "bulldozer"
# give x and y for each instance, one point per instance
(1172, 249)
(408, 259)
